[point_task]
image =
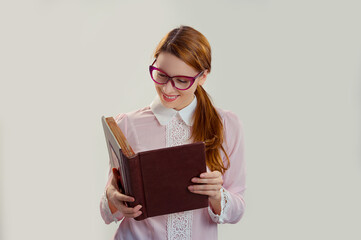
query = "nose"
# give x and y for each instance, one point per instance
(168, 87)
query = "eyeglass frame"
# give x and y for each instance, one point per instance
(192, 79)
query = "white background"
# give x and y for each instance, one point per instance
(291, 71)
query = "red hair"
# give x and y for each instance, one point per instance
(193, 48)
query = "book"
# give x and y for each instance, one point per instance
(158, 179)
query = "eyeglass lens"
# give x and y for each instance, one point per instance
(179, 82)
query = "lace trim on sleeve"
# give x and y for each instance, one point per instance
(224, 208)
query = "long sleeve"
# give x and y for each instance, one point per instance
(232, 192)
(105, 212)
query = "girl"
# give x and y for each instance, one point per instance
(183, 113)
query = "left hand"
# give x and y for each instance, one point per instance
(208, 184)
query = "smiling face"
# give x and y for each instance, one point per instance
(173, 66)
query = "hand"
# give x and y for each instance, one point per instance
(210, 184)
(117, 200)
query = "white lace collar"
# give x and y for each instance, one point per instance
(164, 115)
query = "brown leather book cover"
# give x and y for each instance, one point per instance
(158, 179)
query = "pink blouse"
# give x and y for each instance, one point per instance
(155, 127)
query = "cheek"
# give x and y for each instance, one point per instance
(191, 91)
(186, 95)
(157, 87)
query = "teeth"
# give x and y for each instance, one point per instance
(170, 97)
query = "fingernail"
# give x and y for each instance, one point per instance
(190, 188)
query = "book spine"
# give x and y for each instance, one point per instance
(122, 181)
(137, 186)
(126, 175)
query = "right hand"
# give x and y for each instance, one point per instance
(118, 200)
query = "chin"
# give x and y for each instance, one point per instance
(167, 104)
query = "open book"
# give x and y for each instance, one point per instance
(158, 179)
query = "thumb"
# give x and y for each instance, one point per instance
(118, 179)
(115, 173)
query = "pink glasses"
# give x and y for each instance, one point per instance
(178, 82)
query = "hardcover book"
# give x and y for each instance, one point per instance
(158, 179)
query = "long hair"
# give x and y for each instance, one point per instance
(193, 48)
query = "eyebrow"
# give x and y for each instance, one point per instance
(174, 75)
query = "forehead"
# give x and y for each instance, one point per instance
(173, 65)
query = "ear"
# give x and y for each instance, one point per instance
(203, 78)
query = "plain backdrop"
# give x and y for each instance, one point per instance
(291, 71)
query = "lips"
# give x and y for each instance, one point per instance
(170, 98)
